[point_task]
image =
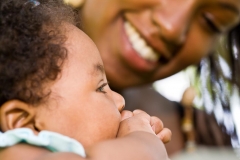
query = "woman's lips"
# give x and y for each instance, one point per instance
(139, 44)
(138, 54)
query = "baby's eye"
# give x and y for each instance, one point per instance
(101, 88)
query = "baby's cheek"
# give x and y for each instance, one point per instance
(114, 124)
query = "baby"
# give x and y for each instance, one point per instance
(55, 102)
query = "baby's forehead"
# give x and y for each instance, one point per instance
(77, 40)
(81, 49)
(82, 54)
(98, 69)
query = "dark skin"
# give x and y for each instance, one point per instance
(174, 29)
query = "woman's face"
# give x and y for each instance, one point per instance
(141, 41)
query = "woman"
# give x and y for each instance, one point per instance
(143, 41)
(146, 40)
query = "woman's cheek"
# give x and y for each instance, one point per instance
(199, 44)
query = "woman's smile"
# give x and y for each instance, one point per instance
(137, 53)
(146, 40)
(139, 44)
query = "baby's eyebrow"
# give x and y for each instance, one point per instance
(98, 68)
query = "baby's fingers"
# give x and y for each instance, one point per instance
(126, 114)
(165, 135)
(138, 111)
(156, 124)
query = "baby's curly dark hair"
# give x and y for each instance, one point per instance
(32, 48)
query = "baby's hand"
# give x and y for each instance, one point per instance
(163, 133)
(140, 121)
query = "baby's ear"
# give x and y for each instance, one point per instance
(16, 114)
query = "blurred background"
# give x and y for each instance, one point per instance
(215, 82)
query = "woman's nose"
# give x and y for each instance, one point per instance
(119, 101)
(173, 19)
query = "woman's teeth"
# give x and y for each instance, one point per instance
(139, 44)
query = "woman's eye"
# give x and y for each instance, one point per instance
(101, 88)
(210, 23)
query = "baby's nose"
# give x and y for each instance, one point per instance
(119, 101)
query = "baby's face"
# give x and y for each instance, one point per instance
(81, 104)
